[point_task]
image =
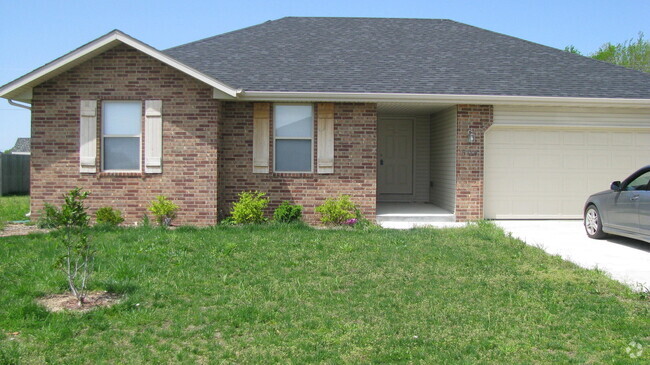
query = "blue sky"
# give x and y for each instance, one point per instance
(35, 32)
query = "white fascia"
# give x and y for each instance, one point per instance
(20, 89)
(281, 96)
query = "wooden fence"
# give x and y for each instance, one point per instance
(14, 174)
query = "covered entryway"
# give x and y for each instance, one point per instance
(544, 162)
(416, 162)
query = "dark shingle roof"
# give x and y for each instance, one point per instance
(375, 55)
(22, 145)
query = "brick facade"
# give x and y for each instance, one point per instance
(207, 147)
(355, 163)
(190, 137)
(469, 159)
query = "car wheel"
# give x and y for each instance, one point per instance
(593, 223)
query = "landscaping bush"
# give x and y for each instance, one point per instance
(109, 216)
(164, 210)
(48, 217)
(250, 207)
(287, 213)
(228, 221)
(338, 211)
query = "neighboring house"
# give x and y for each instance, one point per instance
(22, 147)
(479, 124)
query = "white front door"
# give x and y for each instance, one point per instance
(395, 149)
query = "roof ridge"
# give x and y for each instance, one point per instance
(299, 17)
(222, 34)
(359, 17)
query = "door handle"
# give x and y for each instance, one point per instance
(634, 197)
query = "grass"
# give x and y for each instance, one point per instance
(13, 208)
(293, 294)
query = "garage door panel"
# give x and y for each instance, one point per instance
(550, 206)
(573, 159)
(642, 139)
(573, 138)
(598, 139)
(552, 159)
(552, 176)
(524, 160)
(596, 159)
(548, 138)
(622, 139)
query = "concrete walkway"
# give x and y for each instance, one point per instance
(625, 260)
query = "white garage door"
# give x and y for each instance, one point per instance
(549, 171)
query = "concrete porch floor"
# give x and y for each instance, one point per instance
(408, 215)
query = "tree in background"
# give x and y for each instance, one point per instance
(634, 54)
(572, 49)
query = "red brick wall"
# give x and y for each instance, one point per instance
(469, 160)
(190, 137)
(355, 169)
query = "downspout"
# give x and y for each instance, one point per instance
(11, 102)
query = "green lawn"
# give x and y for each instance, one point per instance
(293, 294)
(13, 208)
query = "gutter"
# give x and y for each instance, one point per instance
(11, 102)
(440, 99)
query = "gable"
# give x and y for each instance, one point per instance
(21, 88)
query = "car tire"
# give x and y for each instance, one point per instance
(593, 223)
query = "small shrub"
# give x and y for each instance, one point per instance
(287, 213)
(145, 222)
(338, 211)
(228, 221)
(250, 208)
(164, 210)
(48, 217)
(109, 216)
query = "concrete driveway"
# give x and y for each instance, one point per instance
(625, 260)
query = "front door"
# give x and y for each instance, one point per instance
(395, 152)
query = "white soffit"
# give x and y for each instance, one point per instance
(20, 89)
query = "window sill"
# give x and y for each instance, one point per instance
(293, 172)
(122, 173)
(309, 174)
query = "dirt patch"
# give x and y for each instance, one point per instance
(20, 229)
(68, 302)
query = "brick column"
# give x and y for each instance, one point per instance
(469, 159)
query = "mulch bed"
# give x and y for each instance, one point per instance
(20, 229)
(68, 302)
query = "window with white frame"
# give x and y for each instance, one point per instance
(293, 136)
(121, 135)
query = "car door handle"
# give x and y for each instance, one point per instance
(634, 197)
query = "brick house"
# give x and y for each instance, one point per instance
(421, 115)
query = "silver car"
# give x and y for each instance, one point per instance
(623, 210)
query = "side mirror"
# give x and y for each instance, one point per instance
(616, 186)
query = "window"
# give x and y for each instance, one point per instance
(121, 133)
(293, 131)
(639, 183)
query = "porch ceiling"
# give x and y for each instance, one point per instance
(384, 109)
